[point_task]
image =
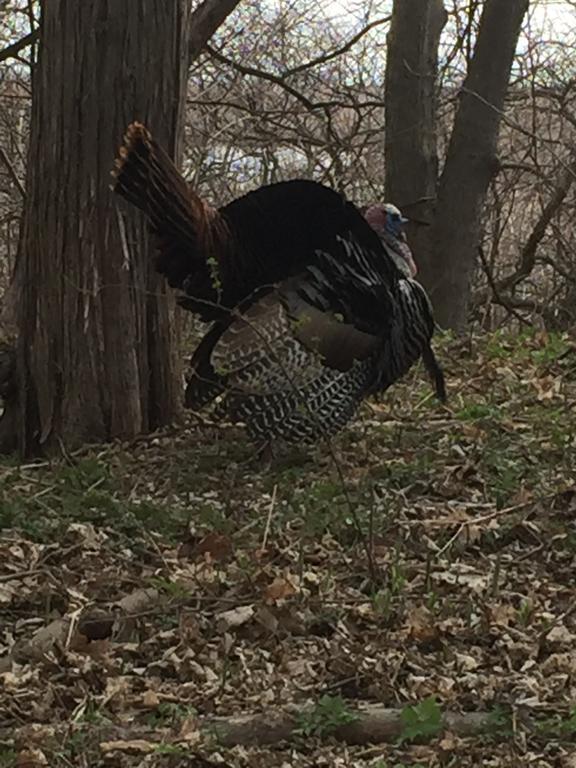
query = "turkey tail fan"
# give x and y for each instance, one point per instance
(189, 231)
(435, 372)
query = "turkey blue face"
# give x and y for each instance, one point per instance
(394, 221)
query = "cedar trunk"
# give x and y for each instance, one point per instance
(95, 353)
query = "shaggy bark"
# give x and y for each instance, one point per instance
(94, 353)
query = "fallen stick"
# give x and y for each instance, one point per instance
(374, 724)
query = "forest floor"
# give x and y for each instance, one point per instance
(425, 562)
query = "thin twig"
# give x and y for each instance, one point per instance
(269, 518)
(12, 173)
(21, 575)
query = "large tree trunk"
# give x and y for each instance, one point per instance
(411, 151)
(95, 356)
(471, 162)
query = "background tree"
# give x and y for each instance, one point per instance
(447, 252)
(411, 130)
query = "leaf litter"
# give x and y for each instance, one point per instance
(147, 588)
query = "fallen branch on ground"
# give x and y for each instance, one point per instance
(91, 626)
(374, 725)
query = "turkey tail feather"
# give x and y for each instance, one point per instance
(190, 232)
(435, 372)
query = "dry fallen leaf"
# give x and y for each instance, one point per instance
(214, 547)
(267, 619)
(280, 589)
(421, 626)
(135, 746)
(560, 635)
(150, 699)
(31, 758)
(235, 617)
(190, 730)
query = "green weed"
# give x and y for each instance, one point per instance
(330, 713)
(421, 721)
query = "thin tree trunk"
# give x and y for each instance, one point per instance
(95, 356)
(411, 151)
(471, 162)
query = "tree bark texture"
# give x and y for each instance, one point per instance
(95, 357)
(471, 162)
(411, 151)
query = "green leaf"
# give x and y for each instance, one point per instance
(422, 720)
(327, 716)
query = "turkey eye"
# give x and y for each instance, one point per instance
(395, 217)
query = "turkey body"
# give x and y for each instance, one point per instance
(311, 309)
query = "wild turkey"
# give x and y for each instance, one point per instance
(312, 304)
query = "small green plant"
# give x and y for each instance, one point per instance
(383, 600)
(504, 471)
(383, 764)
(558, 726)
(421, 721)
(432, 600)
(168, 713)
(324, 507)
(556, 346)
(170, 588)
(499, 724)
(330, 713)
(479, 412)
(75, 745)
(525, 612)
(94, 715)
(7, 757)
(171, 749)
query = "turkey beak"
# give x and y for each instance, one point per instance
(404, 220)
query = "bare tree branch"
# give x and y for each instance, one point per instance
(337, 51)
(204, 21)
(13, 50)
(12, 173)
(280, 81)
(528, 255)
